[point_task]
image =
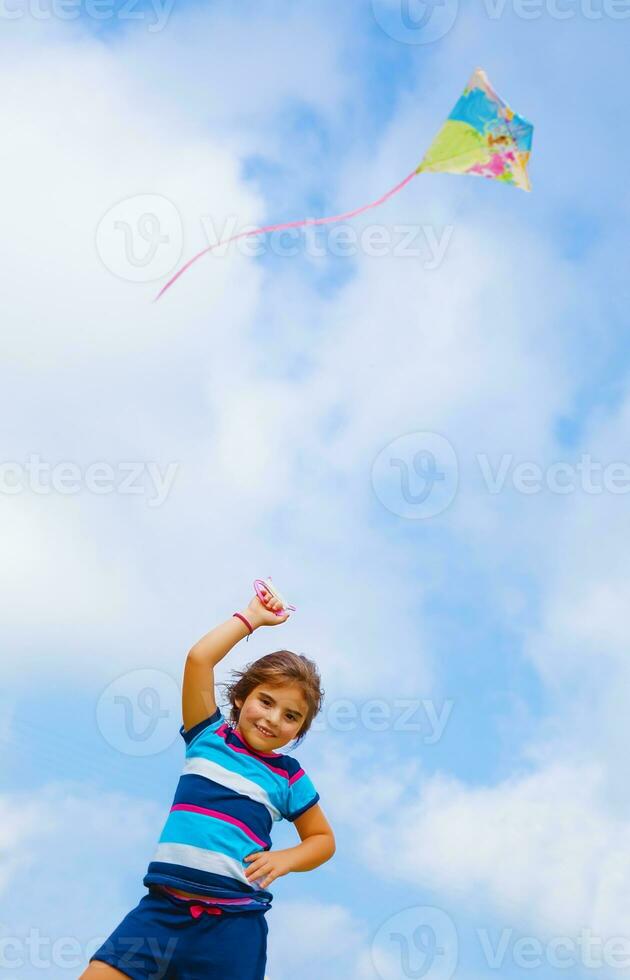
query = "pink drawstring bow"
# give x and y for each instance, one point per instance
(197, 910)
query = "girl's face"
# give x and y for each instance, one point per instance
(279, 710)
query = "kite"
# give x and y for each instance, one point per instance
(482, 137)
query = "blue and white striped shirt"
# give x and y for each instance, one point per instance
(226, 801)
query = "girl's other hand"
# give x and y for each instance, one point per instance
(264, 613)
(266, 866)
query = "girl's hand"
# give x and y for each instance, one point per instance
(266, 866)
(262, 614)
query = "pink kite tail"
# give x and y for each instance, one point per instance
(289, 224)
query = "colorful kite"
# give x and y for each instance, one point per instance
(482, 136)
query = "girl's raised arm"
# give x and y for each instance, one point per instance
(198, 701)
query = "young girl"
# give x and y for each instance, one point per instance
(204, 915)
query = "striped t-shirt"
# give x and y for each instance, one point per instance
(226, 801)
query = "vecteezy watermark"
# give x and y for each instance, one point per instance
(528, 477)
(423, 242)
(141, 238)
(69, 953)
(422, 942)
(155, 12)
(418, 715)
(41, 952)
(139, 713)
(415, 21)
(416, 476)
(417, 942)
(426, 21)
(560, 952)
(559, 9)
(38, 476)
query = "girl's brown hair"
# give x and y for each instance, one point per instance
(275, 669)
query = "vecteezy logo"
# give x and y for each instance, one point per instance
(140, 239)
(416, 476)
(138, 712)
(415, 21)
(420, 943)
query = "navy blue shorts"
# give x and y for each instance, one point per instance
(160, 940)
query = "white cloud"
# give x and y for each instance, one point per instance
(584, 622)
(228, 74)
(542, 851)
(71, 862)
(50, 565)
(240, 375)
(331, 942)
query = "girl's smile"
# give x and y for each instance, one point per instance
(271, 716)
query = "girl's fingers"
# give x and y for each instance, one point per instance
(267, 596)
(270, 603)
(258, 873)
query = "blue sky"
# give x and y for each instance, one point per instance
(273, 385)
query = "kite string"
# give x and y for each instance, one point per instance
(288, 224)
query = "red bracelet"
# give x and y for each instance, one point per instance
(246, 623)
